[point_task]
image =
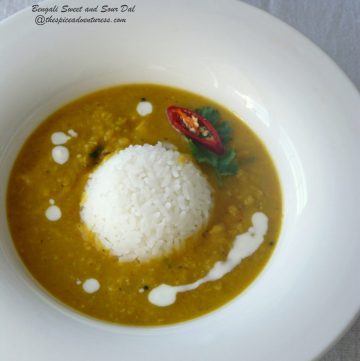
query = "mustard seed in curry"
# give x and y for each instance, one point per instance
(144, 205)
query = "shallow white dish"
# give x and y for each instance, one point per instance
(296, 99)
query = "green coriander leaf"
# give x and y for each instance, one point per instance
(202, 155)
(228, 157)
(210, 114)
(230, 169)
(222, 127)
(227, 164)
(225, 132)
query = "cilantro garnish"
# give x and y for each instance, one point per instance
(226, 164)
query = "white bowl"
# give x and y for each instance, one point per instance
(291, 94)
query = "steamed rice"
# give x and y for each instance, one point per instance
(143, 201)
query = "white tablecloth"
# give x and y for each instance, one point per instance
(334, 25)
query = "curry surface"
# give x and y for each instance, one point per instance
(57, 254)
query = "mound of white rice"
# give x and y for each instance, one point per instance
(143, 201)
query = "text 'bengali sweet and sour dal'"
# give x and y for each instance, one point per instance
(144, 205)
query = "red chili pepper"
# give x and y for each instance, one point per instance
(196, 127)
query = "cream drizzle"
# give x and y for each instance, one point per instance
(144, 108)
(59, 138)
(60, 154)
(72, 133)
(244, 245)
(91, 285)
(53, 213)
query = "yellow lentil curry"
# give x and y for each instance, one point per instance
(61, 258)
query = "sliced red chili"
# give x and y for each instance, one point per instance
(195, 127)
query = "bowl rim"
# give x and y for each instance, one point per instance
(14, 19)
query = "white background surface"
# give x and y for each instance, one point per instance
(334, 25)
